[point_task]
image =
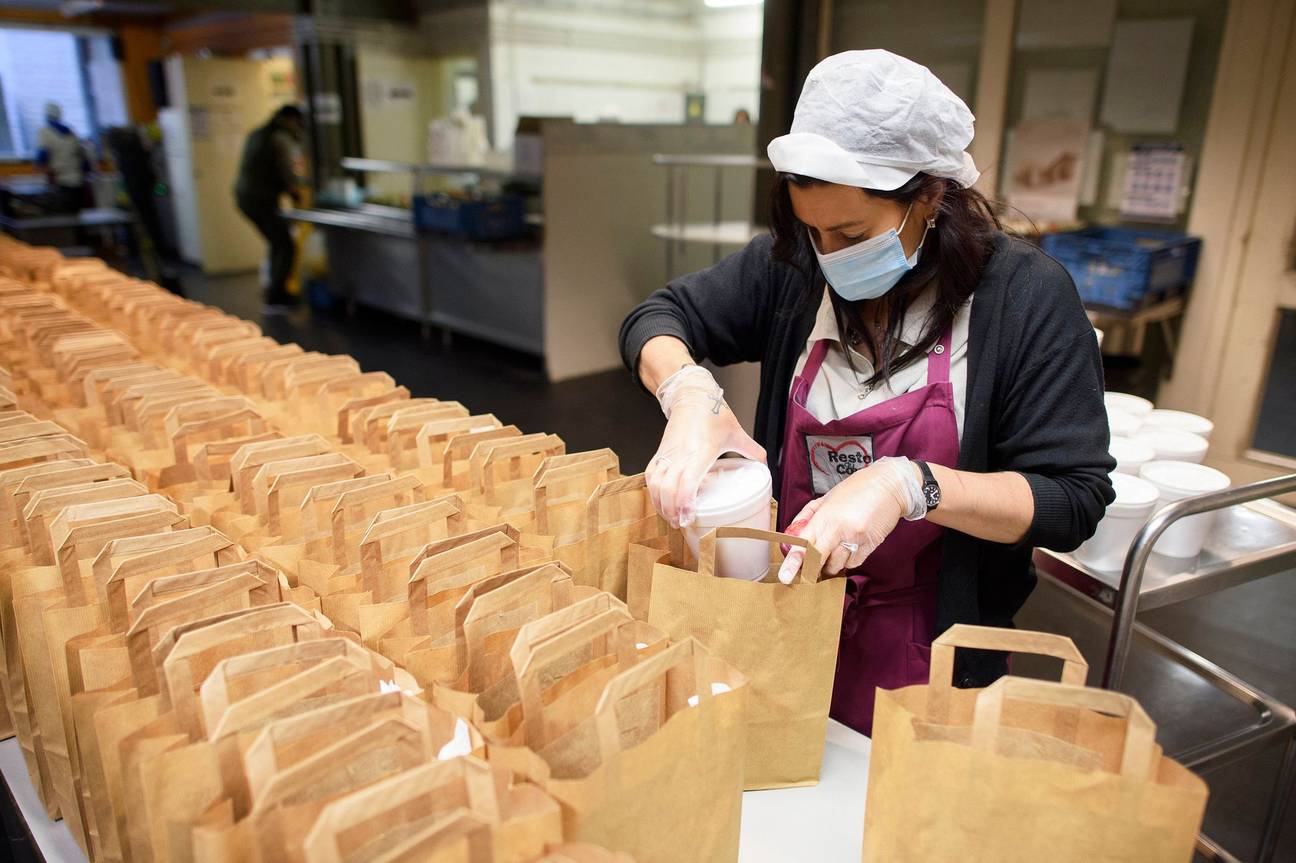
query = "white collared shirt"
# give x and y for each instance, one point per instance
(835, 392)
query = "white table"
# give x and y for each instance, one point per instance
(823, 822)
(52, 839)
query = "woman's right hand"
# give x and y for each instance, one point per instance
(700, 429)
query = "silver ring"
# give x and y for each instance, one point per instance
(852, 547)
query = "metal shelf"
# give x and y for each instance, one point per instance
(722, 233)
(385, 166)
(1249, 541)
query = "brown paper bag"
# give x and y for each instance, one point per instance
(782, 637)
(405, 817)
(618, 515)
(581, 852)
(657, 770)
(1000, 776)
(291, 801)
(243, 695)
(439, 575)
(557, 667)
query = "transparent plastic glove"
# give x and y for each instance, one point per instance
(851, 521)
(700, 428)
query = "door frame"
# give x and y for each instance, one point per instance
(1245, 222)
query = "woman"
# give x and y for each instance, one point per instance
(931, 390)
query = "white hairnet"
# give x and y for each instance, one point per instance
(873, 119)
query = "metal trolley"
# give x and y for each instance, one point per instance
(1254, 537)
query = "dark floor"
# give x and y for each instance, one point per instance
(1249, 630)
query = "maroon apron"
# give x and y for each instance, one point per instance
(890, 611)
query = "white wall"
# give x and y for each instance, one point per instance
(731, 56)
(627, 60)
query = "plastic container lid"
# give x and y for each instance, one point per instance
(1128, 451)
(1130, 404)
(1184, 478)
(1134, 496)
(1123, 424)
(1172, 444)
(1179, 421)
(731, 488)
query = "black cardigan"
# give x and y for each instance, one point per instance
(1033, 404)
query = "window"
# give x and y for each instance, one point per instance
(76, 70)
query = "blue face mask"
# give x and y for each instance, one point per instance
(868, 269)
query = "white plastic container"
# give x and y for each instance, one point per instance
(1136, 499)
(1171, 445)
(1176, 480)
(1130, 454)
(1127, 403)
(1179, 421)
(735, 492)
(1123, 424)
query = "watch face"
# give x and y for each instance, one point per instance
(931, 491)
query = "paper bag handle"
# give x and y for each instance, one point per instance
(460, 446)
(476, 830)
(683, 656)
(606, 492)
(1138, 751)
(812, 562)
(384, 734)
(614, 624)
(601, 463)
(455, 553)
(1074, 666)
(480, 782)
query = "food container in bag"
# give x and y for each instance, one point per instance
(1130, 454)
(1171, 445)
(1136, 499)
(1126, 403)
(1179, 421)
(1177, 480)
(735, 492)
(1123, 424)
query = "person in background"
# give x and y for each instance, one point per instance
(60, 153)
(742, 117)
(267, 171)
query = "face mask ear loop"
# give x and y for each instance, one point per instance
(905, 220)
(931, 223)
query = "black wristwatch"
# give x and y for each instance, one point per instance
(930, 487)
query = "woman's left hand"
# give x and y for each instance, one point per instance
(848, 523)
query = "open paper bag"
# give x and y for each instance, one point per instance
(1023, 770)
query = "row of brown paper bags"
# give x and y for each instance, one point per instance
(198, 772)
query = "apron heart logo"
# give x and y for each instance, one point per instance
(840, 460)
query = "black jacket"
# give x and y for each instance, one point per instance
(1033, 402)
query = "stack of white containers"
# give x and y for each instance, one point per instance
(1158, 457)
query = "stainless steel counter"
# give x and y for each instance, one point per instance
(1249, 541)
(377, 258)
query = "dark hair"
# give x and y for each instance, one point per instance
(290, 112)
(953, 257)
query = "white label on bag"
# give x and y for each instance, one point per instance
(832, 459)
(459, 745)
(716, 689)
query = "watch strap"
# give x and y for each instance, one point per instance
(930, 487)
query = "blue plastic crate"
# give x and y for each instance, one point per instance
(1118, 267)
(438, 213)
(501, 218)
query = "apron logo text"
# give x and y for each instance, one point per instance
(832, 459)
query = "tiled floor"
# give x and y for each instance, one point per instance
(1250, 630)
